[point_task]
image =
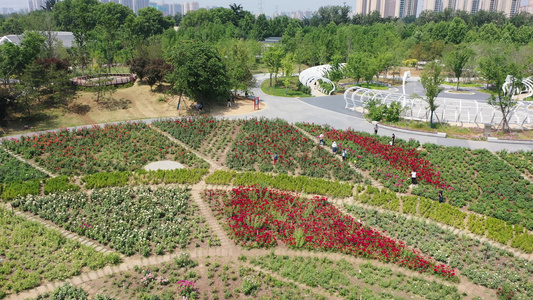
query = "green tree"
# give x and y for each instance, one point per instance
(198, 72)
(11, 62)
(456, 31)
(335, 72)
(150, 21)
(238, 61)
(288, 69)
(495, 67)
(354, 66)
(110, 17)
(272, 58)
(457, 59)
(79, 17)
(431, 81)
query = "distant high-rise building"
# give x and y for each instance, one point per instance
(190, 6)
(405, 8)
(7, 10)
(35, 4)
(386, 8)
(139, 4)
(509, 7)
(128, 3)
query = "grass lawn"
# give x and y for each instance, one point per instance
(280, 90)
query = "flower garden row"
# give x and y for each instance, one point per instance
(120, 147)
(345, 279)
(285, 182)
(492, 228)
(184, 278)
(474, 178)
(52, 256)
(128, 220)
(258, 141)
(63, 183)
(259, 217)
(13, 170)
(480, 262)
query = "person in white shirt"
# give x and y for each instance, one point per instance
(334, 146)
(413, 177)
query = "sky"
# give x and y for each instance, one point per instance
(269, 6)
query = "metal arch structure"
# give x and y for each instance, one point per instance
(526, 82)
(449, 109)
(310, 76)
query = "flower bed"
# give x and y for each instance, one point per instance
(110, 179)
(14, 170)
(31, 253)
(122, 147)
(127, 219)
(350, 281)
(521, 160)
(259, 217)
(487, 184)
(480, 262)
(284, 182)
(260, 140)
(391, 164)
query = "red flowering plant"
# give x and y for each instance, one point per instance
(260, 217)
(117, 147)
(391, 164)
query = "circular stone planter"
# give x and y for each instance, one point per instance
(163, 165)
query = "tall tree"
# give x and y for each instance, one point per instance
(272, 58)
(238, 60)
(457, 59)
(79, 17)
(288, 69)
(495, 68)
(198, 72)
(431, 81)
(110, 17)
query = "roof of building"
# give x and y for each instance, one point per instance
(65, 37)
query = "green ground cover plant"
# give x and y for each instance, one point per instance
(347, 280)
(120, 147)
(480, 262)
(31, 254)
(130, 220)
(14, 170)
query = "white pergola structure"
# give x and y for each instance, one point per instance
(449, 110)
(309, 77)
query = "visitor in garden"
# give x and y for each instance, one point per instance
(199, 107)
(441, 199)
(413, 177)
(275, 158)
(228, 104)
(344, 154)
(334, 146)
(321, 138)
(393, 139)
(376, 129)
(355, 162)
(391, 142)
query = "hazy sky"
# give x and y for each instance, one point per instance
(269, 6)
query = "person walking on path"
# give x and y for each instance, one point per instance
(344, 154)
(376, 129)
(334, 146)
(393, 139)
(413, 177)
(275, 158)
(321, 138)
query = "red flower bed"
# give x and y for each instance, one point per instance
(259, 217)
(399, 158)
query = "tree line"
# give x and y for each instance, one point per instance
(213, 51)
